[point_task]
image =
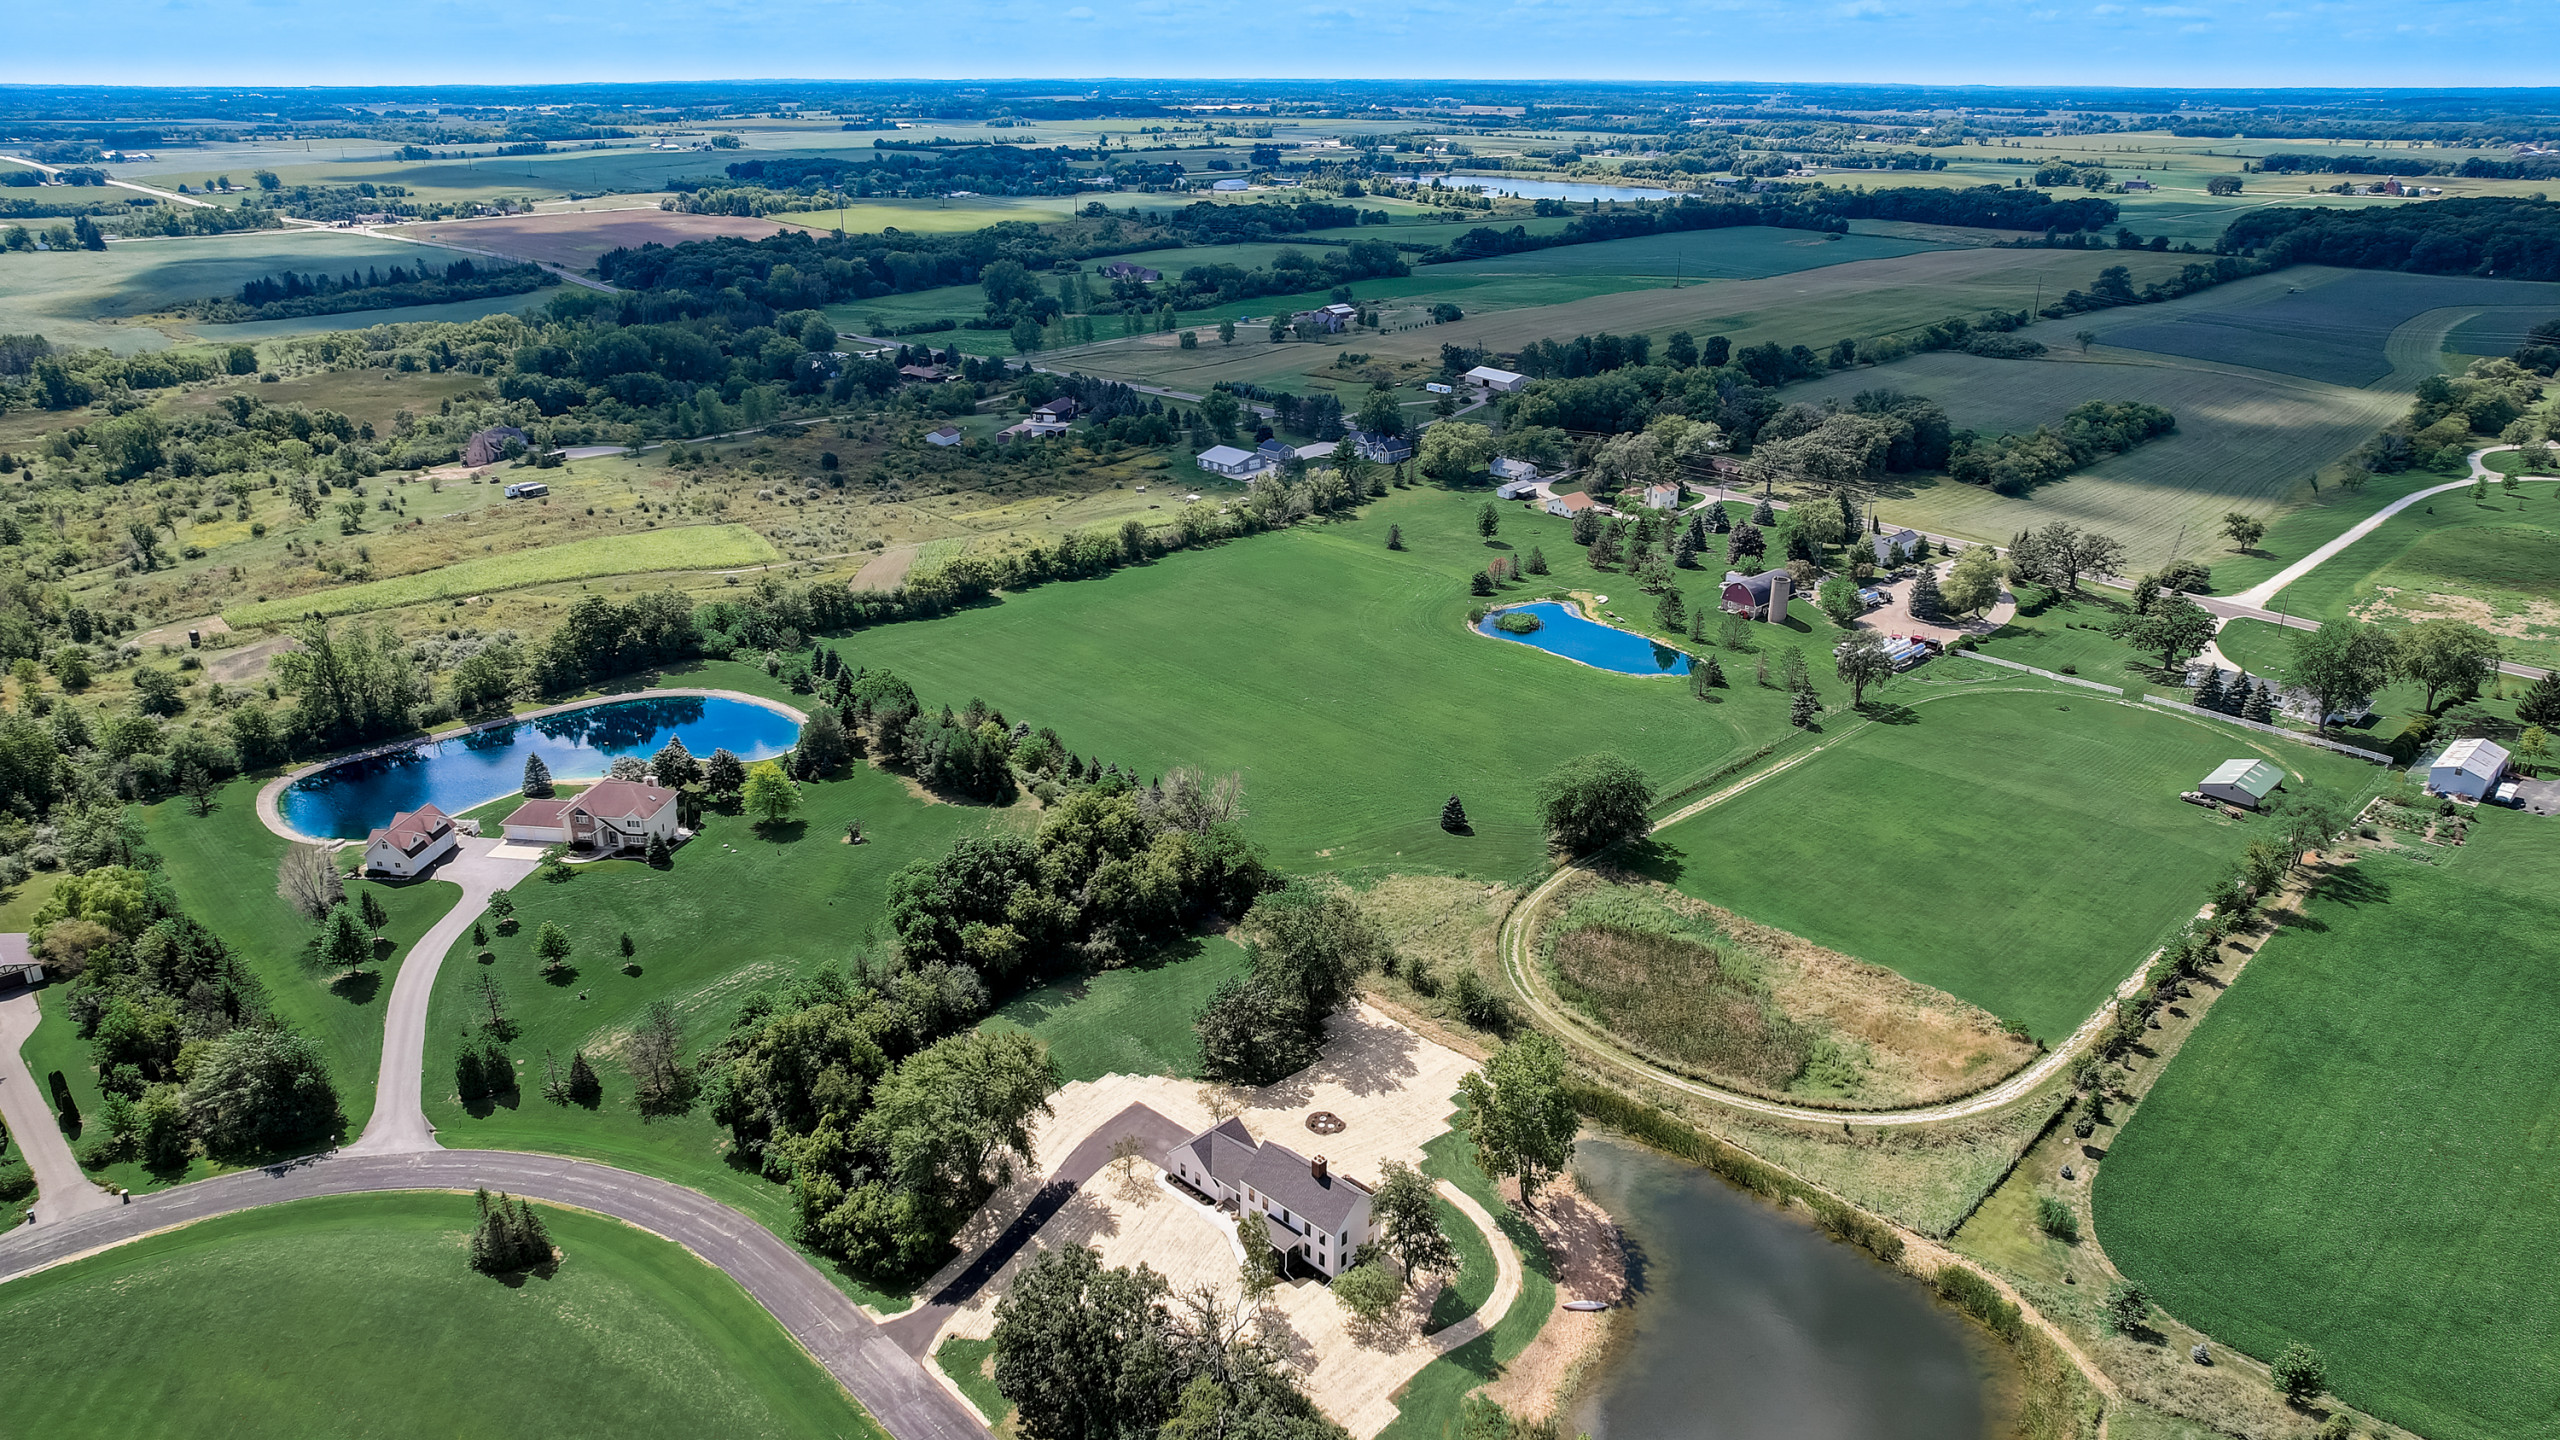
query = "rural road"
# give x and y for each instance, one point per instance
(898, 1392)
(61, 1190)
(156, 193)
(2264, 591)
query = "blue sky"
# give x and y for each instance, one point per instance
(2188, 43)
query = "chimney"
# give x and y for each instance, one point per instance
(1315, 1168)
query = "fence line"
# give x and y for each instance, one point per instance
(2048, 674)
(2359, 752)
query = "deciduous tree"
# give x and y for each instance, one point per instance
(1519, 1115)
(2445, 655)
(1594, 801)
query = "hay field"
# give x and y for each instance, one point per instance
(2355, 1148)
(2335, 326)
(684, 547)
(2246, 440)
(1955, 843)
(1745, 253)
(86, 297)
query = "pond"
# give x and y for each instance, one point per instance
(349, 800)
(1562, 632)
(1747, 1324)
(1550, 189)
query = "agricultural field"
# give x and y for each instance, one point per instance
(359, 1315)
(2336, 326)
(1746, 253)
(576, 239)
(2493, 563)
(90, 298)
(683, 547)
(2355, 1154)
(1970, 789)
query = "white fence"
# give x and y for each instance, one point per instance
(2375, 756)
(2047, 674)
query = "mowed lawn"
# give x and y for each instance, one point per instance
(682, 547)
(1341, 678)
(1131, 1021)
(2356, 1149)
(2494, 563)
(361, 1316)
(2024, 850)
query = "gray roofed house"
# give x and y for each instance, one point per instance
(1307, 1210)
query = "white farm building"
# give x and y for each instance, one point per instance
(2468, 768)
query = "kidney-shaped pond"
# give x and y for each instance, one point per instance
(348, 801)
(1562, 632)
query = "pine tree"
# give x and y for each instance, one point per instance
(1488, 520)
(555, 1088)
(1803, 709)
(1799, 675)
(1684, 551)
(375, 917)
(533, 1239)
(1713, 670)
(537, 778)
(584, 1088)
(1764, 515)
(1537, 561)
(1395, 537)
(2262, 704)
(1698, 626)
(660, 857)
(1453, 817)
(2209, 690)
(1762, 675)
(1926, 602)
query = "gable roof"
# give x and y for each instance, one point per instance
(412, 830)
(1572, 501)
(2255, 777)
(2475, 756)
(1489, 375)
(1224, 455)
(1277, 1173)
(548, 814)
(616, 799)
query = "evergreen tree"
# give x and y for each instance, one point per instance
(1684, 550)
(2262, 705)
(2209, 690)
(1799, 675)
(1395, 537)
(584, 1088)
(1698, 626)
(375, 917)
(1926, 602)
(1764, 514)
(1671, 612)
(1482, 584)
(537, 778)
(660, 857)
(724, 774)
(1586, 527)
(1537, 561)
(2541, 704)
(1802, 710)
(1704, 675)
(1488, 520)
(1453, 817)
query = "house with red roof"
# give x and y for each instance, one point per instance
(414, 840)
(606, 817)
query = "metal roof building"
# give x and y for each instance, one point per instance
(2246, 783)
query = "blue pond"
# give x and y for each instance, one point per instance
(1561, 632)
(348, 801)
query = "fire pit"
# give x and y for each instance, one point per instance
(1325, 1122)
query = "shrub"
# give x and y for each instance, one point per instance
(2056, 1219)
(1972, 1294)
(2300, 1373)
(1368, 1291)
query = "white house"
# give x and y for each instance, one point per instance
(2468, 768)
(607, 816)
(1228, 460)
(1515, 489)
(1485, 377)
(947, 435)
(1506, 468)
(1306, 1210)
(414, 840)
(1905, 541)
(1380, 449)
(1568, 505)
(1661, 497)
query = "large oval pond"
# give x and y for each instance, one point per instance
(1562, 632)
(348, 801)
(1747, 1325)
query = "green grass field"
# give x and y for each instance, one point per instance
(1743, 253)
(359, 1316)
(2494, 563)
(1340, 677)
(1133, 1021)
(2355, 1148)
(1957, 843)
(1427, 1406)
(683, 547)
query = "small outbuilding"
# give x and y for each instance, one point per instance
(18, 961)
(1228, 460)
(2468, 768)
(2248, 784)
(1499, 382)
(947, 435)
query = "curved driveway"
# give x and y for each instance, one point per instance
(2258, 595)
(897, 1391)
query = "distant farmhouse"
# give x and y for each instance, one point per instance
(488, 447)
(1138, 274)
(1228, 460)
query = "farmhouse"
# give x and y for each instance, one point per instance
(1568, 505)
(947, 435)
(1661, 497)
(2245, 783)
(1906, 541)
(929, 374)
(1228, 460)
(608, 816)
(1485, 377)
(488, 447)
(1307, 1211)
(2468, 768)
(1381, 449)
(1055, 412)
(1275, 451)
(414, 840)
(1123, 270)
(1028, 430)
(1506, 468)
(1758, 597)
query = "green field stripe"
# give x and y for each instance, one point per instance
(690, 547)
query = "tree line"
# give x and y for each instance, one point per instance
(2516, 239)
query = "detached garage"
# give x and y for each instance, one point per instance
(2468, 768)
(2245, 783)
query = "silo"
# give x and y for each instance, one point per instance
(1778, 580)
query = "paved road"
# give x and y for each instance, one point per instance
(399, 1120)
(62, 1190)
(155, 192)
(2265, 590)
(897, 1391)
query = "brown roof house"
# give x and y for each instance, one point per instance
(488, 447)
(1306, 1210)
(609, 816)
(414, 840)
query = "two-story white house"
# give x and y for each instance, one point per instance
(1304, 1208)
(414, 840)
